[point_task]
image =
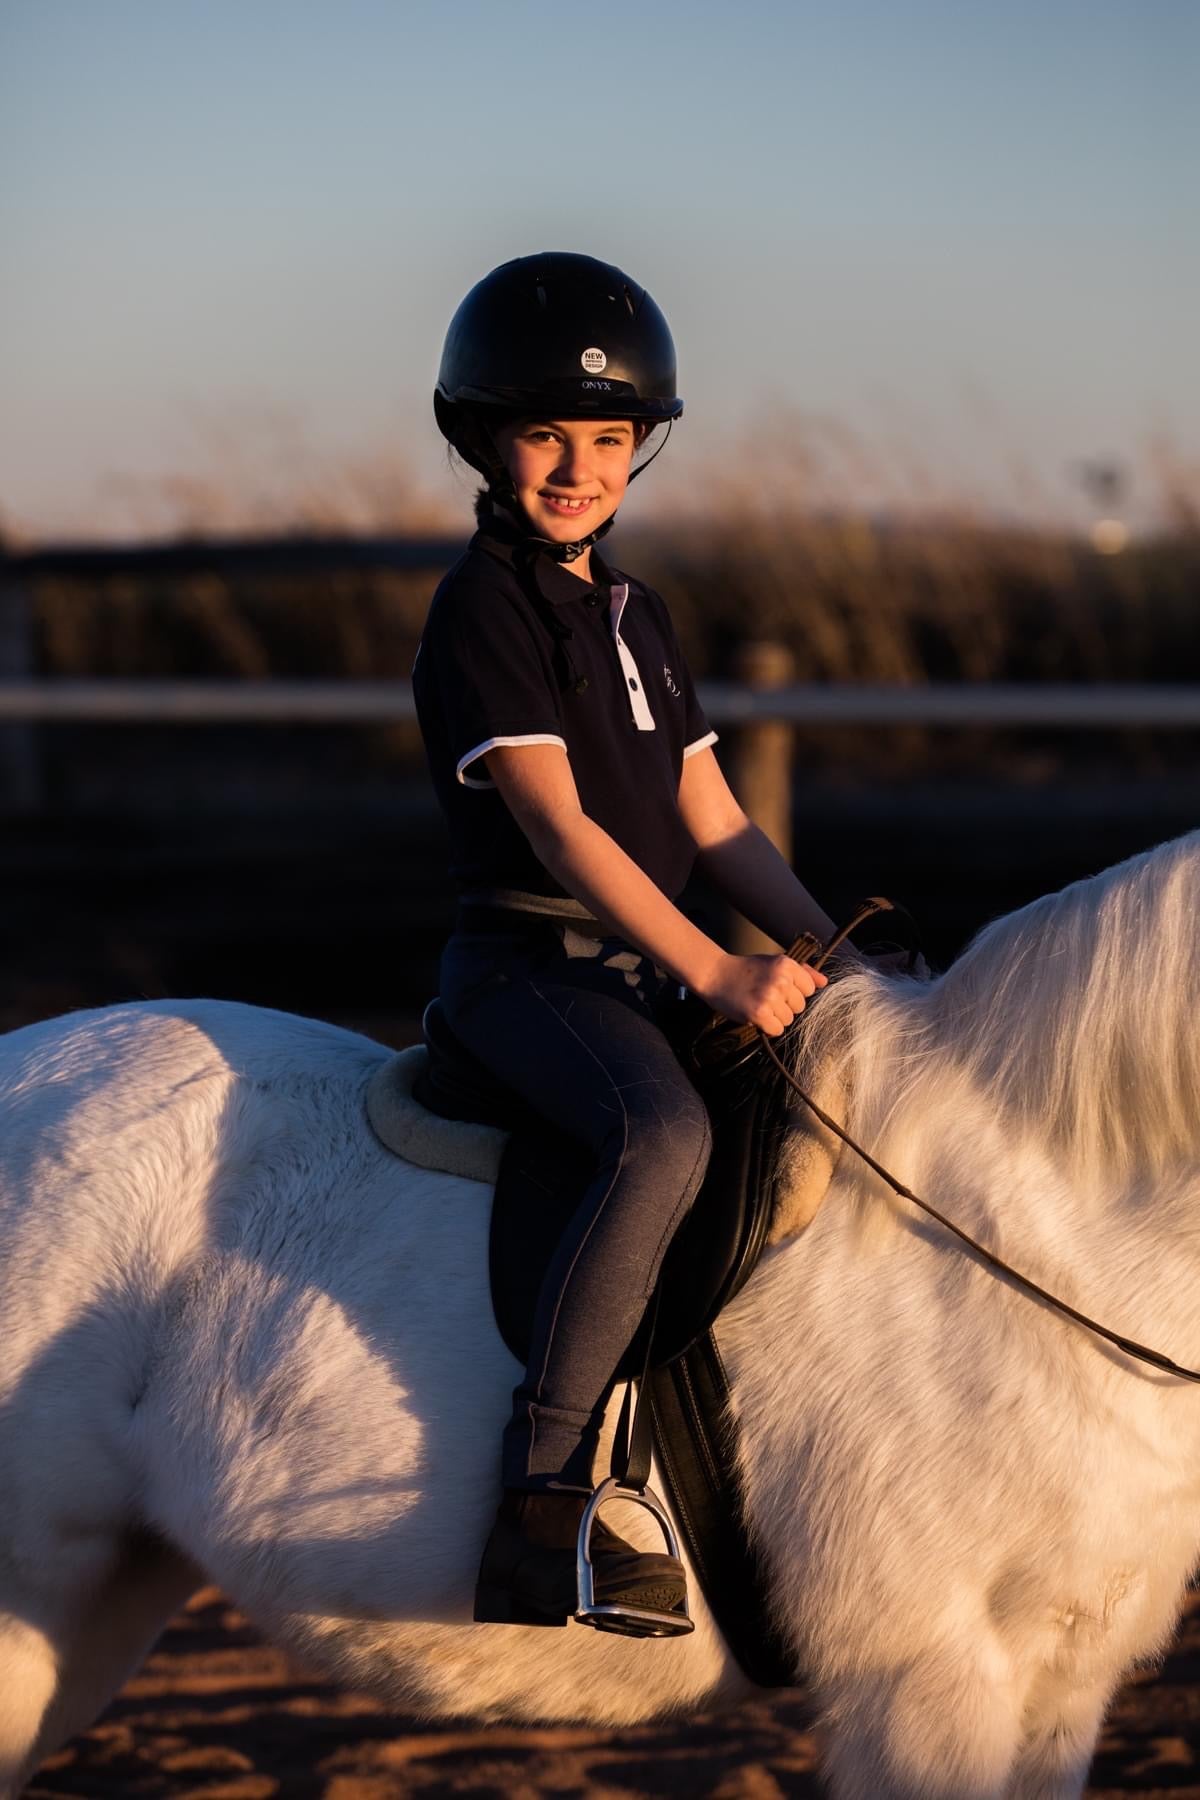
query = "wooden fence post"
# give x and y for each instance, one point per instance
(20, 782)
(761, 772)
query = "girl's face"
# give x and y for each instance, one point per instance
(570, 475)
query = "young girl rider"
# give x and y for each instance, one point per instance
(576, 772)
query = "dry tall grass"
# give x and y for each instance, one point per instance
(932, 589)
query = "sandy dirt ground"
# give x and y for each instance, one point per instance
(218, 1715)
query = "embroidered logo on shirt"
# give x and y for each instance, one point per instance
(672, 686)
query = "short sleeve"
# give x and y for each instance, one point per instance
(494, 677)
(699, 734)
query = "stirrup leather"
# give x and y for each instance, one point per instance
(625, 1617)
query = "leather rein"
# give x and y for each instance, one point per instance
(809, 949)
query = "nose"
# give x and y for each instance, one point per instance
(574, 465)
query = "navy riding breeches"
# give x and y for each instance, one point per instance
(567, 1021)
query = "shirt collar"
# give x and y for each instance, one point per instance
(554, 580)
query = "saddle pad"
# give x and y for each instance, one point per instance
(410, 1130)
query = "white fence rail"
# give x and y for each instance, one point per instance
(1104, 706)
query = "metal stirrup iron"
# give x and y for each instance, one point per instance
(629, 1480)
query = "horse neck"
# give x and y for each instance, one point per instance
(1076, 1018)
(1054, 1143)
(1120, 1243)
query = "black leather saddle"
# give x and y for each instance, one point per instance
(543, 1175)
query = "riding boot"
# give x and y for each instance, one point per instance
(528, 1572)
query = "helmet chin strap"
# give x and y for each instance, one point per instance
(504, 494)
(642, 467)
(563, 553)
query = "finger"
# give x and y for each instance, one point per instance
(814, 977)
(794, 984)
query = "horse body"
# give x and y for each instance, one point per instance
(240, 1339)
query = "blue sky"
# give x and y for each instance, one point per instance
(962, 229)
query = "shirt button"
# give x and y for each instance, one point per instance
(633, 684)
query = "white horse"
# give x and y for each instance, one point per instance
(240, 1342)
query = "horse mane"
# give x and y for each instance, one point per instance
(1075, 1020)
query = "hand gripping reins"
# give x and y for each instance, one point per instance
(801, 951)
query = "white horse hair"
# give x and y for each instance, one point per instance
(239, 1342)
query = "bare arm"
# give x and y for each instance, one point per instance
(537, 785)
(740, 861)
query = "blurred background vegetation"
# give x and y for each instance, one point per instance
(303, 866)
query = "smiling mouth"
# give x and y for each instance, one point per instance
(570, 509)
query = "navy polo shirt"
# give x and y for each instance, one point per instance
(517, 650)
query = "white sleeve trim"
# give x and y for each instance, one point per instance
(700, 744)
(499, 743)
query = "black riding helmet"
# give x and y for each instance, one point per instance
(555, 334)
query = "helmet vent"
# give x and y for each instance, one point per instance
(629, 303)
(541, 295)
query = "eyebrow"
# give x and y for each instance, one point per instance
(535, 424)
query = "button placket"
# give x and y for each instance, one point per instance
(639, 707)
